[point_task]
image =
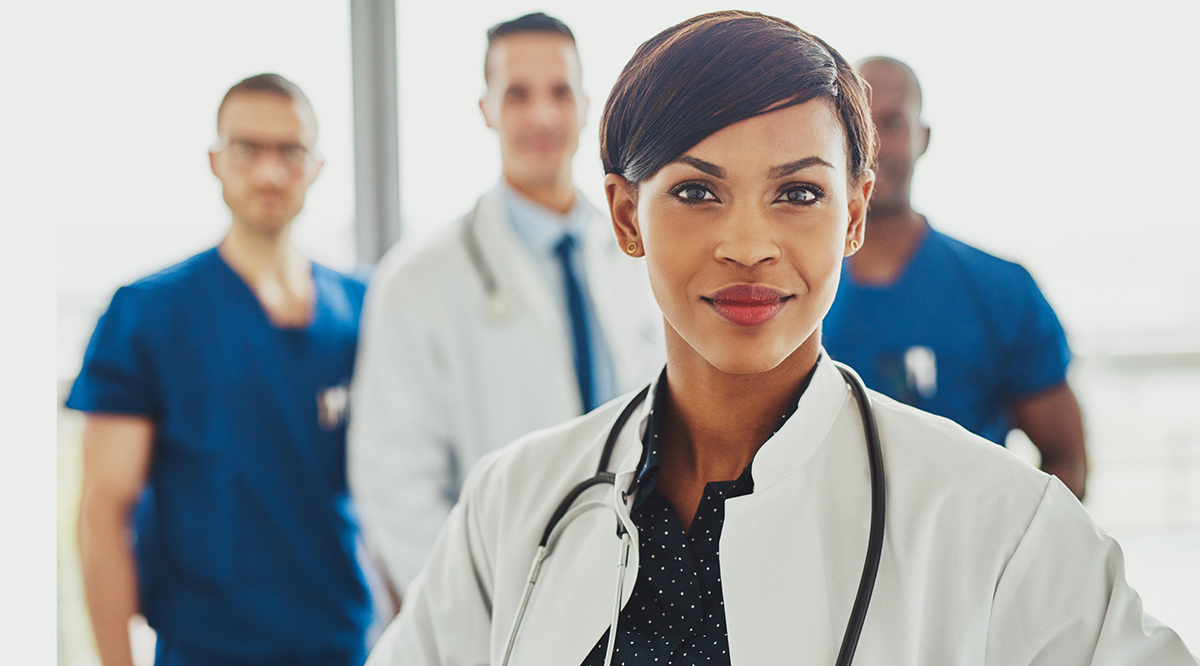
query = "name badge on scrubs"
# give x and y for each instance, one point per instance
(331, 406)
(920, 365)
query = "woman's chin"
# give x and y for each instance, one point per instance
(743, 354)
(745, 361)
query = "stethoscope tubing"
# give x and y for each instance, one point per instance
(545, 548)
(546, 544)
(569, 499)
(497, 307)
(470, 239)
(866, 584)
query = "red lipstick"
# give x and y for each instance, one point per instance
(747, 304)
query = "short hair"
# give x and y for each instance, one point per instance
(711, 71)
(270, 84)
(535, 22)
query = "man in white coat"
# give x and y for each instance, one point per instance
(521, 314)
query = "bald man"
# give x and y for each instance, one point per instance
(943, 326)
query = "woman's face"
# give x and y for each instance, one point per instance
(744, 234)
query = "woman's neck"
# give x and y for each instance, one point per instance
(715, 422)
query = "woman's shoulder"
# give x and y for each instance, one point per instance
(940, 461)
(511, 493)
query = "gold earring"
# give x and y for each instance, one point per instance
(854, 245)
(631, 248)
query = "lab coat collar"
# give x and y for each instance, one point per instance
(794, 444)
(626, 456)
(516, 272)
(784, 453)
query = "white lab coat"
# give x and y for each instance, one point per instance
(437, 384)
(986, 560)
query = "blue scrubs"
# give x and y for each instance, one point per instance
(960, 333)
(245, 535)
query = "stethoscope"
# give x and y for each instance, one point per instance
(565, 513)
(497, 307)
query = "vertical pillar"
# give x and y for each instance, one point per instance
(376, 128)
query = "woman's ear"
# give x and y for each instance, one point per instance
(622, 205)
(860, 197)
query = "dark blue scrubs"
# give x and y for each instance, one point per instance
(960, 333)
(245, 535)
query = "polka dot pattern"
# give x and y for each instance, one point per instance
(676, 614)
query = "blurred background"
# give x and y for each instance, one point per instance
(1064, 137)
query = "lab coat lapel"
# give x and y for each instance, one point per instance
(791, 551)
(518, 277)
(799, 438)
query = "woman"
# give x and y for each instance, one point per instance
(738, 151)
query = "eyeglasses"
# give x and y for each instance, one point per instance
(244, 153)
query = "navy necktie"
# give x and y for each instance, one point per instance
(577, 308)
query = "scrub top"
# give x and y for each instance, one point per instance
(245, 535)
(960, 334)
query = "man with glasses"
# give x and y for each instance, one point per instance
(214, 497)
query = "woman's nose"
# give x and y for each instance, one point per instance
(747, 238)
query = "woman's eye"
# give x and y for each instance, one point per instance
(799, 195)
(694, 193)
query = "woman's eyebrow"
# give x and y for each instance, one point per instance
(707, 167)
(792, 167)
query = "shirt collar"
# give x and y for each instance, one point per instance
(539, 227)
(646, 477)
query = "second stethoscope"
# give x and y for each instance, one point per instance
(566, 512)
(497, 306)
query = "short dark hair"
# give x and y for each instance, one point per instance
(535, 22)
(714, 70)
(268, 83)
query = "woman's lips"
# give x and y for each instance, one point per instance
(747, 304)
